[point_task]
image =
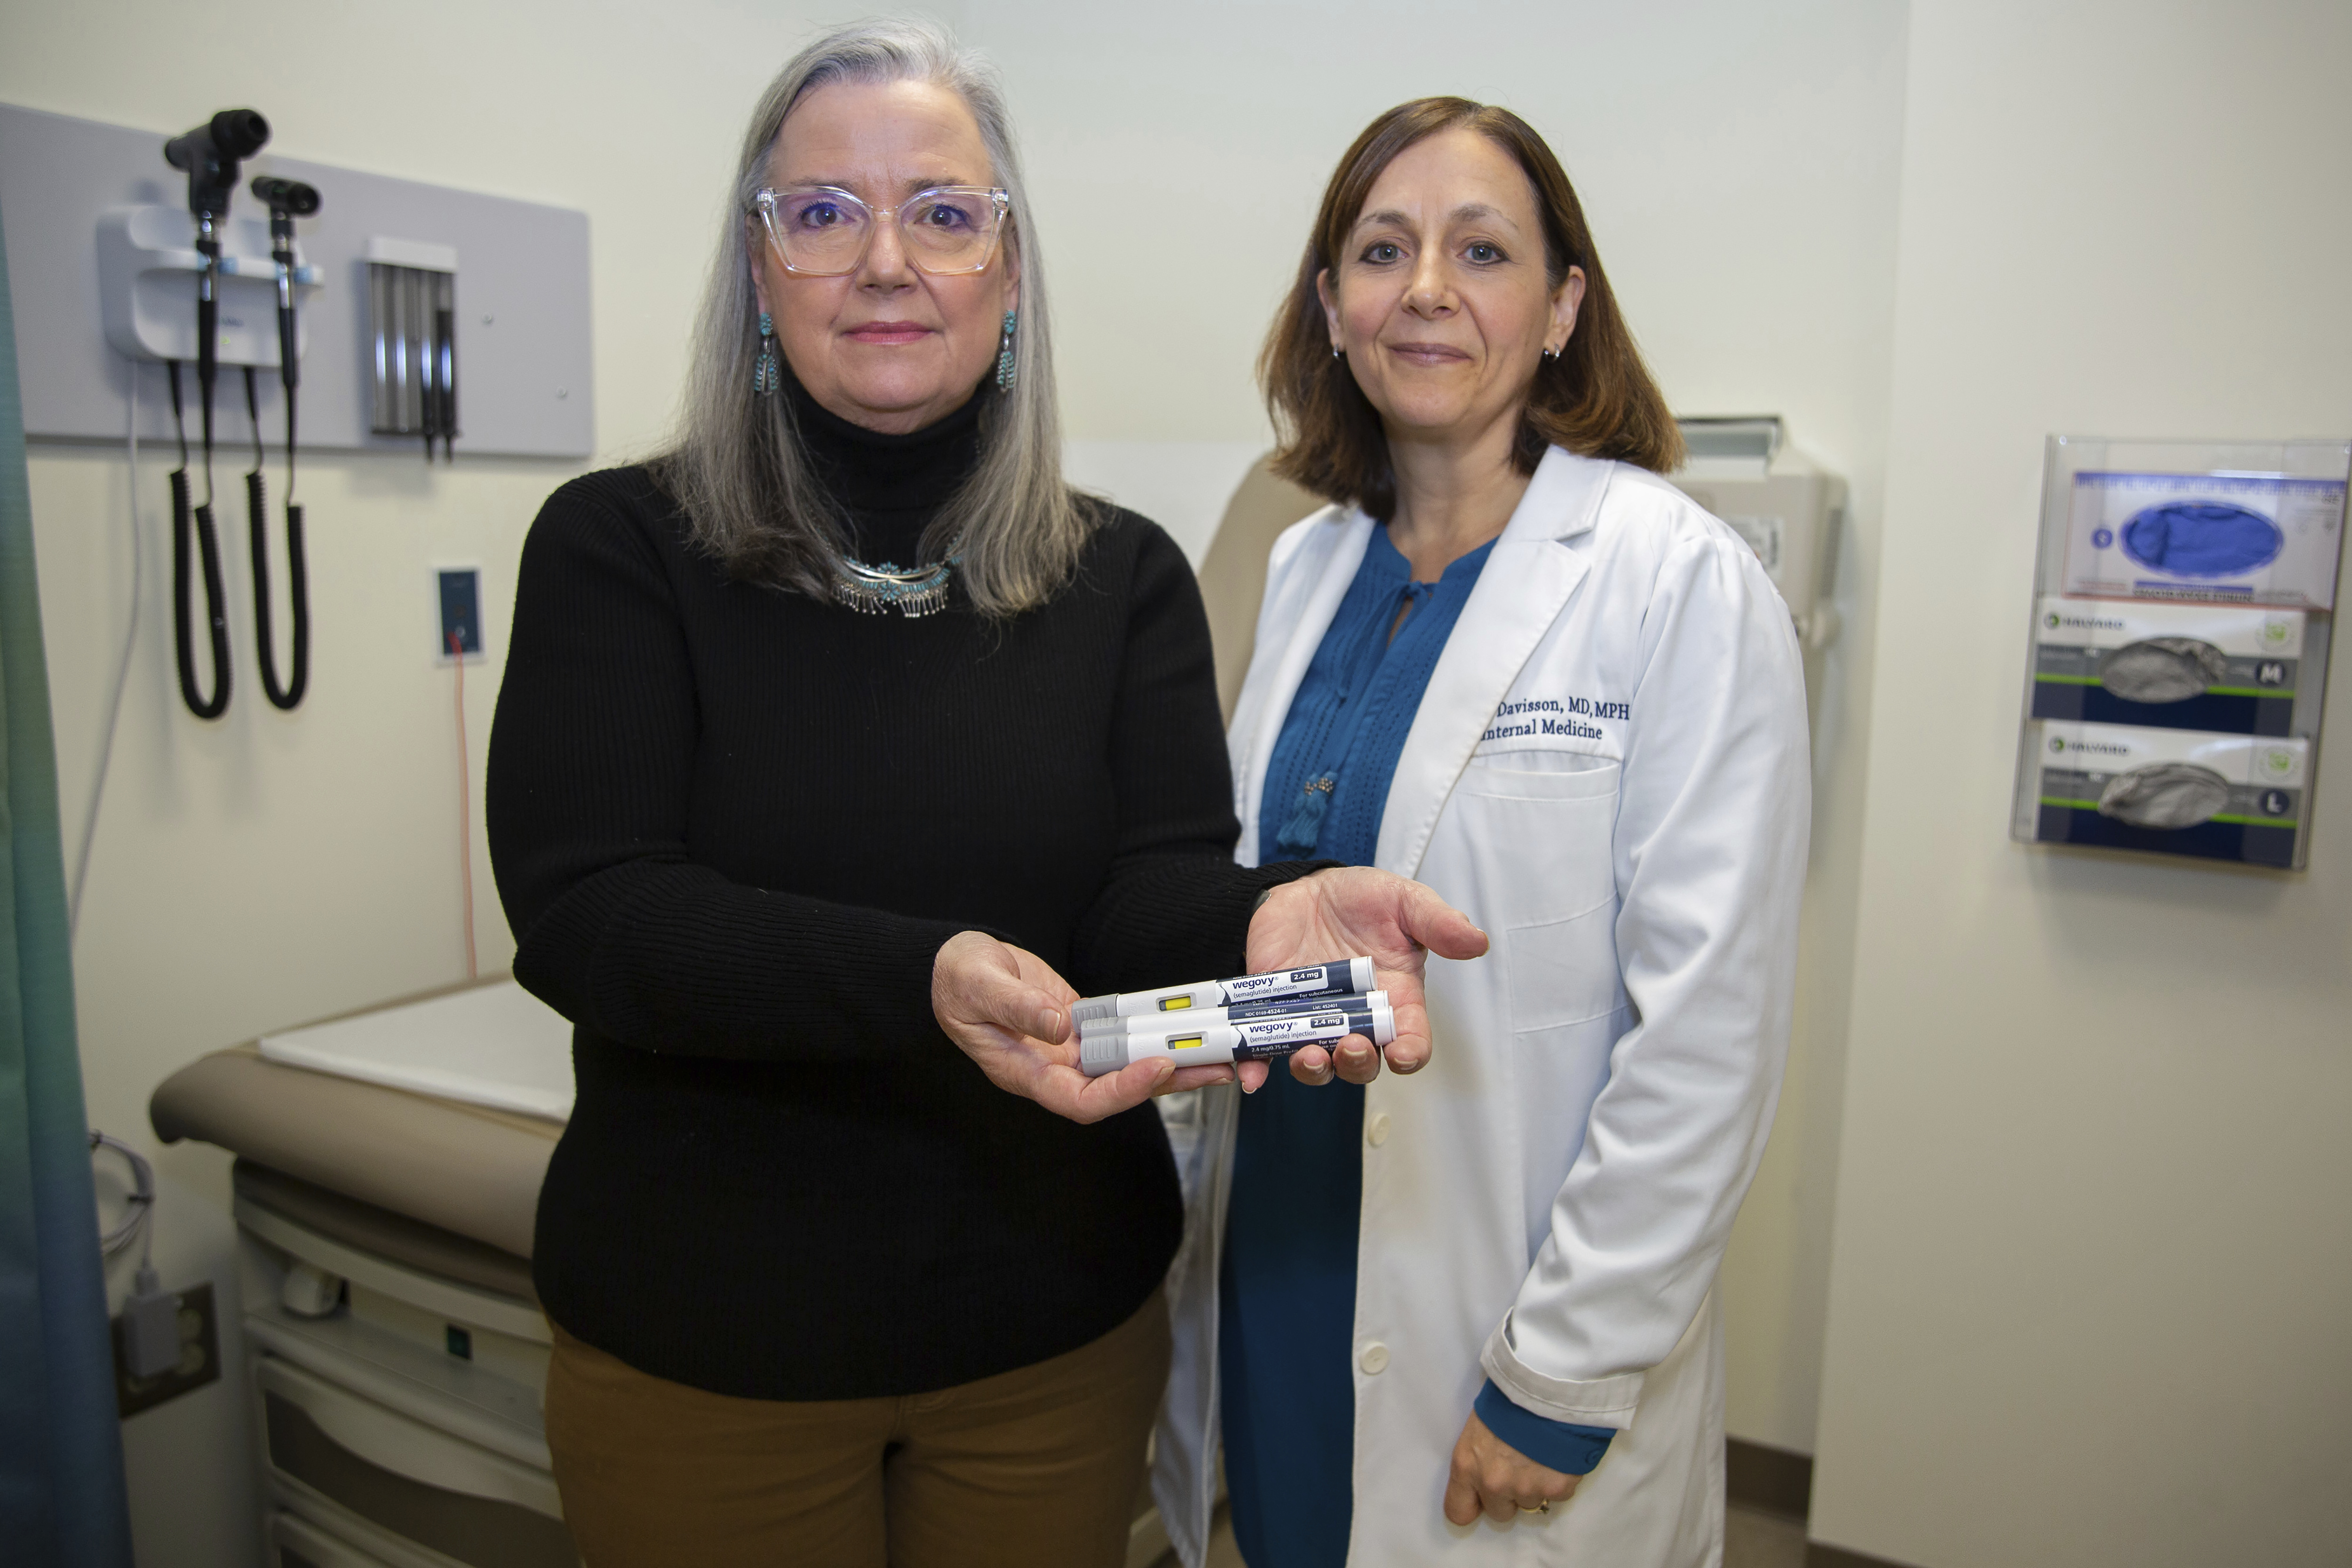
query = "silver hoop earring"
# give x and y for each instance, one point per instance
(1552, 353)
(1337, 352)
(765, 376)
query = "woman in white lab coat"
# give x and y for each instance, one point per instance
(1467, 1317)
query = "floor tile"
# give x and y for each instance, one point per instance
(1756, 1540)
(1750, 1540)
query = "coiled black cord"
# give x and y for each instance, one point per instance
(287, 698)
(208, 547)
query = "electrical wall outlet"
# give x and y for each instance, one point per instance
(199, 1362)
(459, 592)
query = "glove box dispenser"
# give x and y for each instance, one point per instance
(2177, 669)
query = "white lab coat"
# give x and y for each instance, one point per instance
(1609, 774)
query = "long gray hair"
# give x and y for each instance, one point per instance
(737, 464)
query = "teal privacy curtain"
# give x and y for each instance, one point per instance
(61, 1490)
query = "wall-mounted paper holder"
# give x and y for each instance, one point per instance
(1787, 509)
(413, 334)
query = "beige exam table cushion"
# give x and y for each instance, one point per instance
(466, 1168)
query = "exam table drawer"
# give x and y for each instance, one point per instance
(418, 1483)
(296, 1543)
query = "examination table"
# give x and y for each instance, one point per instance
(396, 1354)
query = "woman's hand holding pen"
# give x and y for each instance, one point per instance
(1010, 1013)
(1356, 910)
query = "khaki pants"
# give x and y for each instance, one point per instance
(1033, 1468)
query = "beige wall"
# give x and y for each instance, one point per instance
(1739, 170)
(2090, 1280)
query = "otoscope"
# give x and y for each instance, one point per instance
(286, 200)
(210, 154)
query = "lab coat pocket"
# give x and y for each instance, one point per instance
(1540, 835)
(1541, 829)
(1565, 971)
(1541, 776)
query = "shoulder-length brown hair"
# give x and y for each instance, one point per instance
(1596, 399)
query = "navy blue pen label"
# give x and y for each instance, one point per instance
(1286, 1007)
(1280, 1035)
(1318, 979)
(1279, 1038)
(1303, 1029)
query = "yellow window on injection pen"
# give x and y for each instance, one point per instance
(1174, 1004)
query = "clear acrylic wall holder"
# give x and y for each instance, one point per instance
(2176, 664)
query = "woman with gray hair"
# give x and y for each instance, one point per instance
(848, 1263)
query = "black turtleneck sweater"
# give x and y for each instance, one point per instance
(732, 827)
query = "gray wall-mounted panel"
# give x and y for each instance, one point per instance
(523, 350)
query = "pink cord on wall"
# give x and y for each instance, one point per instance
(464, 806)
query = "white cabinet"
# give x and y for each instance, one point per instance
(401, 1428)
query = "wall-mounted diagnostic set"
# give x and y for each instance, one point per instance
(2178, 657)
(210, 156)
(144, 266)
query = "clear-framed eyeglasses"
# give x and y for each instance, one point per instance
(824, 231)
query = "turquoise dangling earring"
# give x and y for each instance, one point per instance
(765, 376)
(1005, 369)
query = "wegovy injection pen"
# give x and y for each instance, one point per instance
(1241, 1012)
(1259, 1039)
(1344, 977)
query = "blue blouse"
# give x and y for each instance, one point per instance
(1287, 1294)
